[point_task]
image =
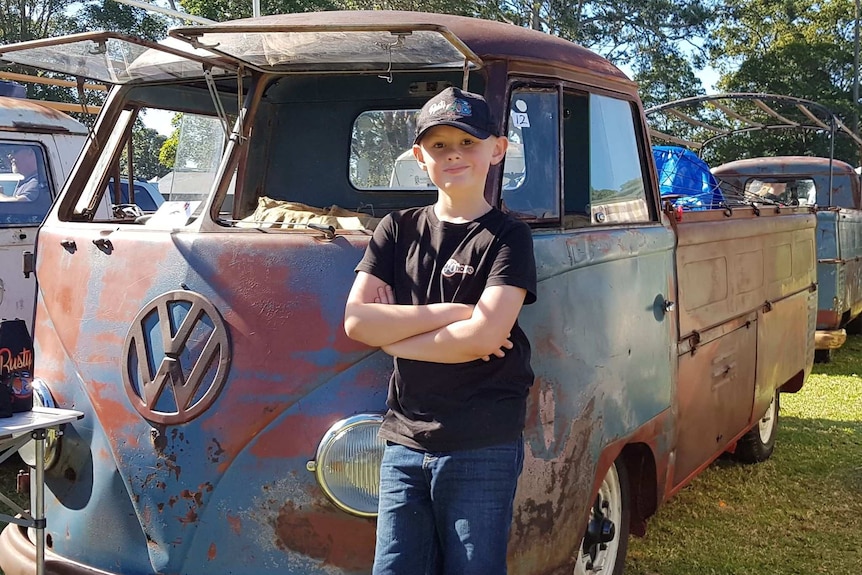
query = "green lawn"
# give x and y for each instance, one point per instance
(799, 513)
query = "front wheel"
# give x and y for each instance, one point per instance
(757, 445)
(603, 548)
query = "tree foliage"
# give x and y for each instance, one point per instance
(800, 48)
(627, 32)
(22, 20)
(146, 144)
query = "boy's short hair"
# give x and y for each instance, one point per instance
(454, 107)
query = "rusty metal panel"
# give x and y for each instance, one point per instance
(783, 350)
(603, 358)
(714, 397)
(727, 268)
(232, 479)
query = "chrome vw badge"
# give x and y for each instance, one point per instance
(176, 357)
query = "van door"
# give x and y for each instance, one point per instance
(740, 281)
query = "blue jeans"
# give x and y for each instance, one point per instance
(446, 513)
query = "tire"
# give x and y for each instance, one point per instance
(606, 540)
(822, 355)
(758, 444)
(854, 327)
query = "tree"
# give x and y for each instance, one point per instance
(222, 10)
(111, 15)
(801, 48)
(626, 32)
(146, 144)
(665, 75)
(22, 20)
(168, 151)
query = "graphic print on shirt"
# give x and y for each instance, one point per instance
(452, 267)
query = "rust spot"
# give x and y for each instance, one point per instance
(215, 451)
(211, 553)
(235, 524)
(331, 536)
(170, 463)
(190, 517)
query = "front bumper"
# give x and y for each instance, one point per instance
(829, 339)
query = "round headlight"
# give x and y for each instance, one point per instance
(347, 464)
(42, 398)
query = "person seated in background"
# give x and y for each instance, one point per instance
(25, 162)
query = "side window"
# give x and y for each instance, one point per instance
(193, 159)
(617, 187)
(25, 191)
(531, 170)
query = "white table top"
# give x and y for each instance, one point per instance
(38, 418)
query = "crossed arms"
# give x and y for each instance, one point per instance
(439, 332)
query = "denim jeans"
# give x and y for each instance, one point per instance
(446, 513)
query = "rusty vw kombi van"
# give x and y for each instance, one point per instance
(231, 425)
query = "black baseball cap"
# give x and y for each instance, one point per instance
(454, 107)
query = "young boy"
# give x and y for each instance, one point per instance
(440, 289)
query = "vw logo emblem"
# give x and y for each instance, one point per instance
(175, 358)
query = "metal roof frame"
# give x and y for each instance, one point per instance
(817, 117)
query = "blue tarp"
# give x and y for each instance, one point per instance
(681, 172)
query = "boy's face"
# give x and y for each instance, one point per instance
(456, 161)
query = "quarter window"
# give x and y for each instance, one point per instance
(531, 170)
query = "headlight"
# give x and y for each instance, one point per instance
(42, 398)
(347, 465)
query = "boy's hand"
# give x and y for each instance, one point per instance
(385, 295)
(502, 351)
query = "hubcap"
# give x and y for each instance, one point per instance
(598, 551)
(766, 426)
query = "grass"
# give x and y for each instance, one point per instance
(799, 513)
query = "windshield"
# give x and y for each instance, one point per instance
(384, 51)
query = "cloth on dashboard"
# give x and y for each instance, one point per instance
(277, 213)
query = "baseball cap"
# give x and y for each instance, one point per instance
(454, 107)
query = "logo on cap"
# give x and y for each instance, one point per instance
(457, 106)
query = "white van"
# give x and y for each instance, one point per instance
(52, 141)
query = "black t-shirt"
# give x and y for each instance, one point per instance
(446, 407)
